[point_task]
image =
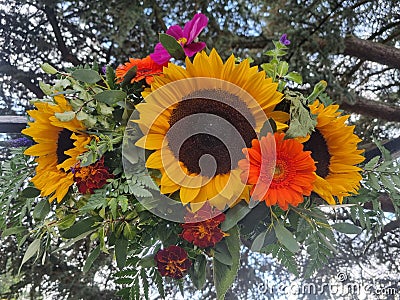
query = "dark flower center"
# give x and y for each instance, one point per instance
(319, 152)
(210, 132)
(64, 143)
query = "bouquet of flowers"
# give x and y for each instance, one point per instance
(172, 161)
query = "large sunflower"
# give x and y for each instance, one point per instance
(57, 147)
(333, 146)
(198, 119)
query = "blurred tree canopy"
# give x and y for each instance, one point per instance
(352, 44)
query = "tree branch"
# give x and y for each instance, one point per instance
(27, 79)
(363, 49)
(372, 108)
(65, 53)
(372, 51)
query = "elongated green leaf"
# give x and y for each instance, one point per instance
(30, 192)
(91, 258)
(234, 215)
(79, 228)
(172, 46)
(121, 251)
(41, 210)
(85, 75)
(222, 253)
(49, 69)
(13, 230)
(33, 249)
(372, 163)
(65, 116)
(225, 275)
(258, 242)
(198, 272)
(347, 228)
(295, 77)
(286, 238)
(66, 222)
(110, 97)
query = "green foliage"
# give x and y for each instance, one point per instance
(225, 274)
(302, 122)
(172, 46)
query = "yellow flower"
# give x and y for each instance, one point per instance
(198, 119)
(333, 146)
(58, 144)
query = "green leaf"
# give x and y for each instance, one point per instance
(286, 238)
(347, 228)
(30, 192)
(65, 116)
(110, 97)
(33, 249)
(234, 215)
(49, 69)
(79, 228)
(86, 75)
(41, 210)
(66, 222)
(129, 76)
(172, 46)
(147, 261)
(301, 120)
(224, 275)
(91, 258)
(198, 272)
(121, 251)
(46, 88)
(222, 253)
(283, 68)
(258, 242)
(295, 77)
(13, 230)
(372, 163)
(373, 181)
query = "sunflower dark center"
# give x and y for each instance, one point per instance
(319, 152)
(210, 131)
(64, 143)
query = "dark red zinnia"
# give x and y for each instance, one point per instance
(202, 228)
(172, 262)
(91, 177)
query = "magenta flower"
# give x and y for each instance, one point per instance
(186, 38)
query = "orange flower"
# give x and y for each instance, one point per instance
(281, 173)
(91, 177)
(146, 68)
(202, 228)
(172, 262)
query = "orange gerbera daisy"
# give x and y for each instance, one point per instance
(279, 170)
(146, 68)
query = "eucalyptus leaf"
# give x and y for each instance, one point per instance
(41, 210)
(286, 238)
(91, 258)
(30, 192)
(65, 116)
(234, 215)
(86, 75)
(225, 275)
(347, 228)
(13, 230)
(110, 97)
(33, 249)
(79, 228)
